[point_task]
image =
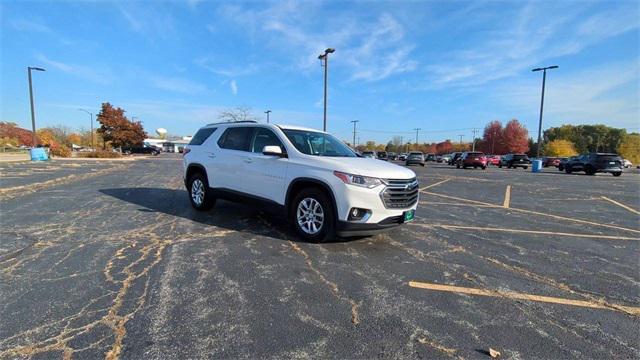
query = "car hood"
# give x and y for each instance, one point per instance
(367, 167)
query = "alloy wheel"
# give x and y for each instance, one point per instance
(310, 216)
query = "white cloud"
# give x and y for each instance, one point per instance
(98, 74)
(30, 26)
(531, 38)
(177, 84)
(604, 94)
(234, 87)
(370, 49)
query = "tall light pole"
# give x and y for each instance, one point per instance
(325, 57)
(90, 114)
(417, 129)
(460, 140)
(354, 132)
(33, 113)
(473, 148)
(267, 112)
(544, 78)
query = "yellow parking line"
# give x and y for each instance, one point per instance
(621, 205)
(536, 232)
(634, 310)
(432, 185)
(507, 197)
(535, 213)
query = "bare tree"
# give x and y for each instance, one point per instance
(239, 113)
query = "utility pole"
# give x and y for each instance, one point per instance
(33, 113)
(267, 112)
(544, 78)
(417, 129)
(325, 57)
(354, 132)
(475, 131)
(460, 140)
(93, 146)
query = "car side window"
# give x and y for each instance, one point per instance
(264, 137)
(236, 138)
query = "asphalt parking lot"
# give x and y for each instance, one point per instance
(108, 259)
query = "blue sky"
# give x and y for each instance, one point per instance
(443, 66)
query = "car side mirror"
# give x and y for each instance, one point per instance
(273, 150)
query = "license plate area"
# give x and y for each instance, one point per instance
(408, 215)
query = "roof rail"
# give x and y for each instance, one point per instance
(233, 122)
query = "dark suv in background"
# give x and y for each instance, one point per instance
(454, 157)
(514, 161)
(594, 163)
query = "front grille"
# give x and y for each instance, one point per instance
(400, 194)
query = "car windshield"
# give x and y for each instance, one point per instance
(319, 144)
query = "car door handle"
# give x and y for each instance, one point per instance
(212, 155)
(248, 160)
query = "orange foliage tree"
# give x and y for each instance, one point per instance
(117, 129)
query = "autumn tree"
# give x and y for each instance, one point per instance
(492, 141)
(46, 137)
(630, 148)
(515, 137)
(117, 129)
(239, 113)
(74, 138)
(559, 148)
(13, 133)
(444, 147)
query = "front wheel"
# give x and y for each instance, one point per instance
(200, 193)
(567, 170)
(457, 166)
(484, 168)
(312, 215)
(500, 166)
(526, 167)
(617, 173)
(590, 170)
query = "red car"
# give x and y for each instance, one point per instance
(551, 161)
(493, 159)
(472, 159)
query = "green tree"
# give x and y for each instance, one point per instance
(630, 148)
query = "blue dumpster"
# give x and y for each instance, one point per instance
(536, 166)
(38, 154)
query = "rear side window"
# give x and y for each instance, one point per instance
(236, 138)
(201, 136)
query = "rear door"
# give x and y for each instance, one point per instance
(233, 148)
(264, 175)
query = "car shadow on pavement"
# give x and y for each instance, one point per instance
(225, 214)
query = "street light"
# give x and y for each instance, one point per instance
(267, 112)
(325, 57)
(33, 114)
(544, 78)
(93, 146)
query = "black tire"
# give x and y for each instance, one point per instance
(617, 173)
(207, 199)
(589, 170)
(457, 166)
(567, 170)
(526, 167)
(500, 165)
(475, 166)
(560, 168)
(328, 226)
(422, 165)
(484, 168)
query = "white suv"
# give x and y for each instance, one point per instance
(322, 186)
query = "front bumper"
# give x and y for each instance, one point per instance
(348, 229)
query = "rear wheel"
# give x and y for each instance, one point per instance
(500, 166)
(312, 215)
(589, 170)
(199, 192)
(526, 167)
(567, 170)
(458, 166)
(484, 168)
(617, 173)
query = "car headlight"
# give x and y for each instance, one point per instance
(358, 180)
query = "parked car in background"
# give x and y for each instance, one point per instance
(515, 161)
(151, 150)
(454, 158)
(626, 163)
(594, 163)
(445, 158)
(382, 155)
(415, 158)
(430, 157)
(550, 161)
(493, 159)
(473, 159)
(369, 154)
(392, 156)
(402, 157)
(564, 161)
